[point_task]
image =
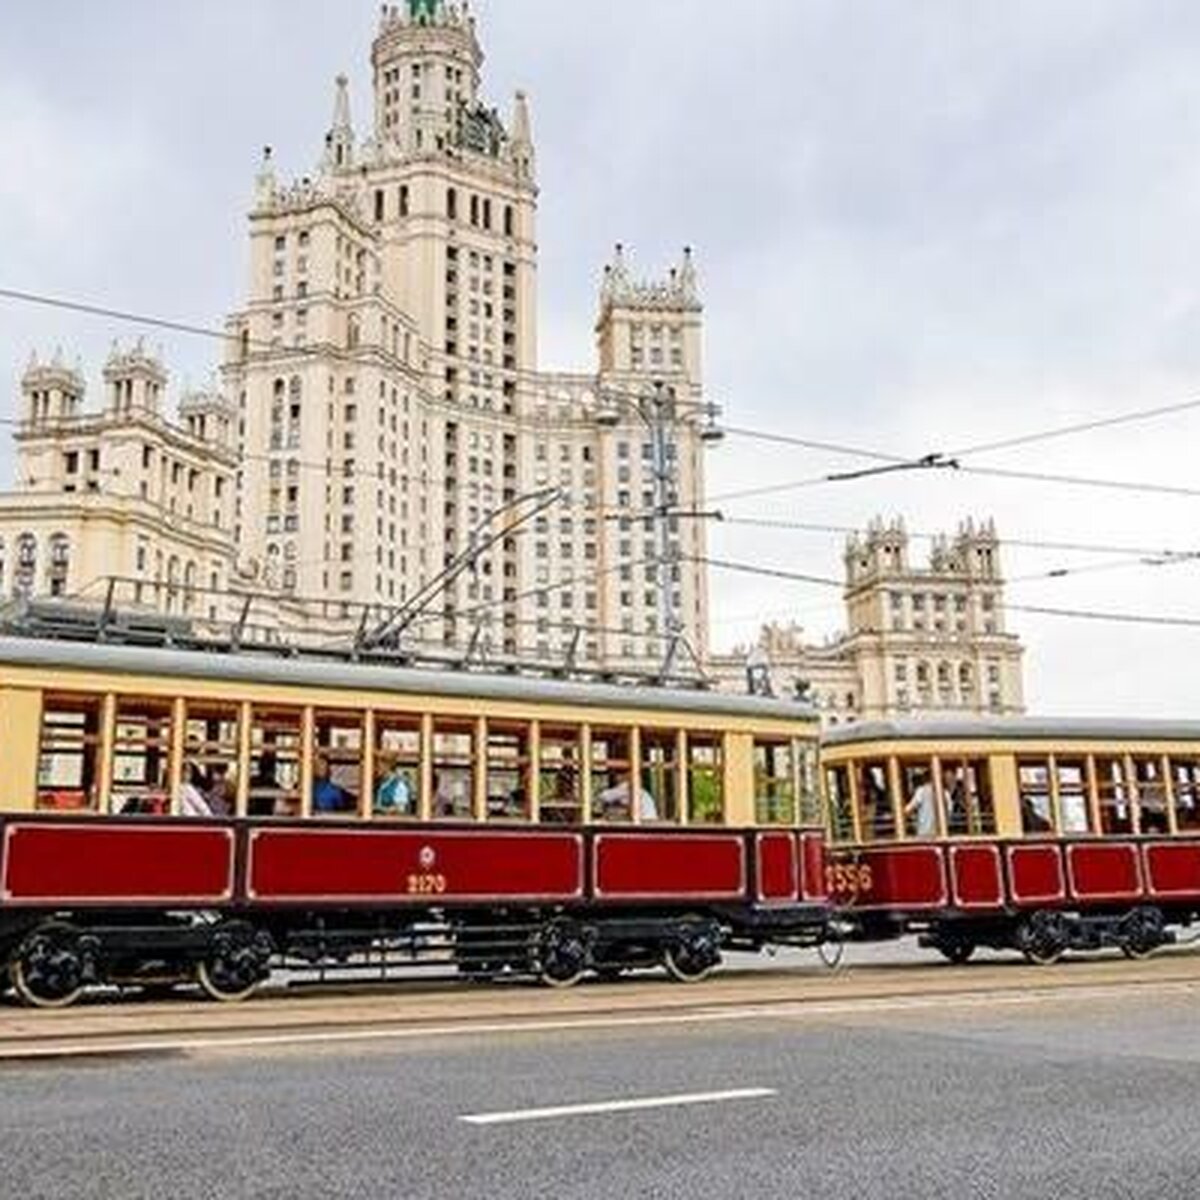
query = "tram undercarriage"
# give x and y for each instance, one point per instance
(49, 959)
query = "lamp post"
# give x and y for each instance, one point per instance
(657, 411)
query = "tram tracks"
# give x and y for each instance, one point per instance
(345, 1016)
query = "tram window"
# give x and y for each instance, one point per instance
(967, 794)
(141, 755)
(397, 766)
(918, 797)
(507, 771)
(876, 818)
(705, 780)
(210, 756)
(807, 775)
(774, 782)
(559, 797)
(454, 771)
(1073, 799)
(1151, 795)
(1116, 800)
(1185, 775)
(337, 763)
(69, 751)
(837, 796)
(1033, 787)
(660, 765)
(274, 788)
(611, 767)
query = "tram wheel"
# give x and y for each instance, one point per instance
(1043, 938)
(49, 969)
(562, 953)
(956, 950)
(237, 962)
(693, 951)
(1141, 932)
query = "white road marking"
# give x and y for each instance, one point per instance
(786, 1009)
(616, 1106)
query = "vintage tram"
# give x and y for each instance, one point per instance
(1037, 835)
(173, 814)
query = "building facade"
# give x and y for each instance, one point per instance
(920, 640)
(384, 427)
(120, 490)
(391, 412)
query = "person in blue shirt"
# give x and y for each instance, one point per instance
(394, 795)
(327, 796)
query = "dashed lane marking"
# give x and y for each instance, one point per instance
(616, 1106)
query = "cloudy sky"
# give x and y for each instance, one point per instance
(920, 226)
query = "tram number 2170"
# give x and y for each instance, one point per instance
(426, 883)
(854, 878)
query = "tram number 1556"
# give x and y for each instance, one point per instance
(841, 878)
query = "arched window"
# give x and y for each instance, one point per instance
(172, 582)
(189, 585)
(26, 570)
(60, 562)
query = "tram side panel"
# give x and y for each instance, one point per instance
(992, 878)
(55, 863)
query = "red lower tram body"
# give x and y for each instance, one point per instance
(1042, 897)
(143, 900)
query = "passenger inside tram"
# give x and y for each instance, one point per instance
(954, 795)
(193, 793)
(613, 802)
(876, 802)
(264, 786)
(921, 810)
(394, 794)
(328, 796)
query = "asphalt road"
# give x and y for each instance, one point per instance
(1061, 1097)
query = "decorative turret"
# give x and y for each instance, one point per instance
(52, 391)
(677, 292)
(650, 327)
(978, 549)
(208, 416)
(882, 550)
(135, 380)
(339, 141)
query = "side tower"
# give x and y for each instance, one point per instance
(651, 459)
(51, 392)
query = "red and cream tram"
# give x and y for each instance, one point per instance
(172, 814)
(1039, 835)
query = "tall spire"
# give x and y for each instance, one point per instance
(339, 141)
(341, 103)
(522, 136)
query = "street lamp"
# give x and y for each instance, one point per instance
(656, 411)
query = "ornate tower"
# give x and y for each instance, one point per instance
(426, 63)
(51, 392)
(135, 380)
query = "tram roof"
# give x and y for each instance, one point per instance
(249, 666)
(1014, 729)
